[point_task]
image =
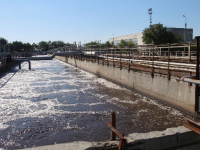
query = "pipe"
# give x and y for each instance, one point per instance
(22, 60)
(51, 57)
(190, 79)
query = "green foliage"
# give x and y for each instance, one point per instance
(34, 47)
(16, 46)
(43, 46)
(56, 44)
(107, 44)
(68, 44)
(158, 34)
(92, 45)
(3, 41)
(27, 47)
(178, 38)
(193, 41)
(124, 43)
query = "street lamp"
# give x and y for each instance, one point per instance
(185, 30)
(185, 26)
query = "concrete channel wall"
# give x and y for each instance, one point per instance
(173, 91)
(179, 138)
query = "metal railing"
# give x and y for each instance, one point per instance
(115, 133)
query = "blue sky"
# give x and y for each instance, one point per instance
(89, 20)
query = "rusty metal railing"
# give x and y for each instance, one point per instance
(114, 131)
(195, 79)
(191, 125)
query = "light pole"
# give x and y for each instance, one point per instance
(185, 31)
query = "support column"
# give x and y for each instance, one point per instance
(197, 76)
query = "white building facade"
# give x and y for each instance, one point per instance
(136, 38)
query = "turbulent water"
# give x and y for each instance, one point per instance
(56, 103)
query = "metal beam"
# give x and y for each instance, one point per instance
(191, 125)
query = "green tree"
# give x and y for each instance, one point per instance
(43, 46)
(16, 46)
(193, 41)
(35, 47)
(27, 47)
(92, 45)
(107, 44)
(3, 41)
(68, 44)
(124, 43)
(57, 44)
(130, 43)
(158, 34)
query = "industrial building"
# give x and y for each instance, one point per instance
(137, 37)
(181, 31)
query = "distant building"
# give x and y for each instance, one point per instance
(181, 31)
(136, 38)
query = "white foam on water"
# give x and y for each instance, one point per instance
(21, 99)
(102, 81)
(108, 84)
(163, 107)
(15, 103)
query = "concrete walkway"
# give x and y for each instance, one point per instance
(177, 138)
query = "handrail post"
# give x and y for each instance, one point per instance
(113, 59)
(197, 76)
(113, 123)
(107, 58)
(152, 73)
(120, 59)
(129, 55)
(189, 52)
(169, 76)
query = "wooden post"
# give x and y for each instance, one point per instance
(113, 123)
